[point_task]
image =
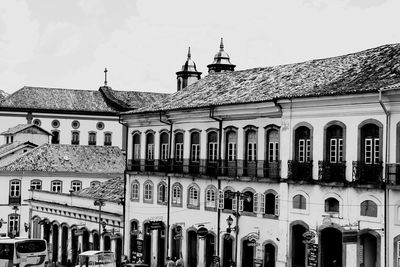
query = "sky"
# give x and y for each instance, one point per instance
(143, 43)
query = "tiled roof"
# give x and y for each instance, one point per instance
(70, 158)
(21, 127)
(131, 99)
(7, 147)
(3, 94)
(112, 189)
(39, 98)
(365, 71)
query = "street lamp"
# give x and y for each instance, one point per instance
(229, 221)
(99, 202)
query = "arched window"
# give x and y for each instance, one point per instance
(331, 205)
(136, 147)
(148, 191)
(193, 196)
(251, 145)
(179, 147)
(164, 140)
(299, 202)
(228, 195)
(176, 194)
(370, 144)
(162, 193)
(211, 197)
(195, 147)
(334, 144)
(135, 191)
(13, 225)
(272, 204)
(150, 146)
(303, 144)
(248, 201)
(368, 208)
(212, 153)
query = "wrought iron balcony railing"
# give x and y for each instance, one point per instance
(300, 171)
(367, 173)
(331, 172)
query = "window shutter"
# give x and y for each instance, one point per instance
(276, 205)
(241, 205)
(221, 202)
(262, 203)
(234, 204)
(256, 203)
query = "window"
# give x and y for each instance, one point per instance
(92, 139)
(100, 126)
(195, 147)
(212, 146)
(211, 198)
(251, 145)
(37, 122)
(76, 185)
(299, 202)
(271, 206)
(56, 186)
(248, 201)
(148, 191)
(75, 124)
(13, 225)
(303, 144)
(370, 144)
(107, 139)
(135, 191)
(177, 194)
(75, 138)
(15, 188)
(231, 146)
(334, 144)
(369, 208)
(162, 193)
(150, 146)
(273, 145)
(94, 184)
(193, 196)
(331, 205)
(164, 140)
(55, 139)
(179, 147)
(136, 147)
(228, 199)
(36, 185)
(55, 123)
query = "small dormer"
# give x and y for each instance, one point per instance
(27, 133)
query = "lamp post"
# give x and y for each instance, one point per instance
(99, 202)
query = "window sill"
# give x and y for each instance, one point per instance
(210, 208)
(148, 201)
(134, 199)
(249, 213)
(189, 206)
(270, 216)
(162, 203)
(178, 205)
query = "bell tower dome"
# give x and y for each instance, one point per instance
(188, 74)
(221, 61)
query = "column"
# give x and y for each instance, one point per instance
(41, 230)
(69, 244)
(50, 245)
(91, 243)
(59, 246)
(154, 248)
(113, 245)
(80, 241)
(101, 237)
(351, 255)
(201, 252)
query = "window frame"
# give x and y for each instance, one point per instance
(38, 182)
(148, 192)
(177, 201)
(92, 138)
(162, 193)
(107, 138)
(52, 185)
(193, 196)
(15, 189)
(135, 191)
(75, 138)
(76, 185)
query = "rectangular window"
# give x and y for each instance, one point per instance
(193, 197)
(340, 150)
(13, 225)
(135, 191)
(76, 185)
(212, 151)
(136, 153)
(36, 185)
(368, 151)
(179, 152)
(107, 139)
(195, 153)
(15, 188)
(376, 150)
(251, 151)
(176, 195)
(231, 151)
(210, 198)
(301, 150)
(150, 151)
(56, 186)
(75, 138)
(221, 200)
(164, 151)
(92, 139)
(333, 147)
(273, 151)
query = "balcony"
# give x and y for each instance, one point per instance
(194, 167)
(332, 172)
(300, 171)
(212, 168)
(250, 168)
(177, 167)
(272, 170)
(163, 166)
(149, 165)
(393, 173)
(230, 168)
(367, 173)
(14, 200)
(133, 165)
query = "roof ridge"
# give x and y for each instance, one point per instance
(22, 155)
(57, 88)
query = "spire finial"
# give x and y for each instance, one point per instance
(105, 76)
(189, 55)
(221, 46)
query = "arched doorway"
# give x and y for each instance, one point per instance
(176, 242)
(46, 231)
(269, 255)
(64, 245)
(298, 248)
(133, 240)
(247, 253)
(96, 240)
(55, 243)
(161, 247)
(118, 250)
(192, 248)
(331, 247)
(147, 244)
(369, 247)
(74, 247)
(107, 242)
(85, 240)
(210, 248)
(227, 248)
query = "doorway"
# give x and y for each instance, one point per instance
(192, 248)
(368, 246)
(331, 247)
(298, 248)
(269, 255)
(248, 253)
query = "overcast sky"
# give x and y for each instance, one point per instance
(68, 43)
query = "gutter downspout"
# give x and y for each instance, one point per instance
(386, 193)
(125, 181)
(168, 122)
(212, 109)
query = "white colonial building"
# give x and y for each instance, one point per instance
(291, 165)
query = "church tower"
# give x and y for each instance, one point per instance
(188, 74)
(221, 61)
